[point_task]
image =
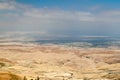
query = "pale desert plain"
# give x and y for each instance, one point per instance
(53, 62)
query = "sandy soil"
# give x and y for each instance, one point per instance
(53, 62)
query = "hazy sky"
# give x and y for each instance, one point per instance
(60, 18)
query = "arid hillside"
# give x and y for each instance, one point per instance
(52, 62)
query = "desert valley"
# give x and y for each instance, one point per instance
(53, 62)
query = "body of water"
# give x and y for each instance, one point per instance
(84, 42)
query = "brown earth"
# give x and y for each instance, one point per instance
(9, 76)
(58, 62)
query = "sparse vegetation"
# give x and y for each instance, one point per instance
(86, 78)
(2, 64)
(112, 76)
(24, 78)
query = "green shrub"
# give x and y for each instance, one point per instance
(86, 78)
(2, 64)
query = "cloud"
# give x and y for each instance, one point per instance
(56, 13)
(5, 6)
(95, 8)
(109, 17)
(111, 13)
(55, 22)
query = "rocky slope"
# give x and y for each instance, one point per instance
(59, 63)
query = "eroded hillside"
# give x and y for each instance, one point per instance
(59, 63)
